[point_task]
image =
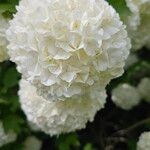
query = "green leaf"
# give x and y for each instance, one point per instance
(7, 7)
(65, 142)
(14, 2)
(10, 78)
(147, 125)
(132, 144)
(2, 101)
(13, 146)
(3, 90)
(12, 122)
(120, 6)
(88, 146)
(15, 105)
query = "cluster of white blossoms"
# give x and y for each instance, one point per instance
(66, 48)
(125, 96)
(3, 41)
(6, 138)
(141, 36)
(59, 116)
(139, 23)
(32, 143)
(144, 141)
(137, 8)
(144, 89)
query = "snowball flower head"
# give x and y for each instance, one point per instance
(3, 40)
(32, 143)
(6, 138)
(137, 8)
(59, 116)
(141, 36)
(144, 88)
(125, 96)
(143, 143)
(139, 23)
(64, 47)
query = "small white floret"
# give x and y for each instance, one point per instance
(144, 141)
(125, 96)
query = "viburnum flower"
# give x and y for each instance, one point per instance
(141, 36)
(64, 47)
(125, 96)
(137, 8)
(144, 88)
(32, 143)
(3, 41)
(6, 138)
(143, 143)
(139, 23)
(59, 117)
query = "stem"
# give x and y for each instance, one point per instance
(132, 127)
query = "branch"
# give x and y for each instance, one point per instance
(132, 127)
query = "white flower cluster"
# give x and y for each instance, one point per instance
(144, 141)
(137, 8)
(32, 143)
(125, 96)
(59, 116)
(141, 36)
(144, 89)
(6, 138)
(139, 23)
(65, 48)
(3, 41)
